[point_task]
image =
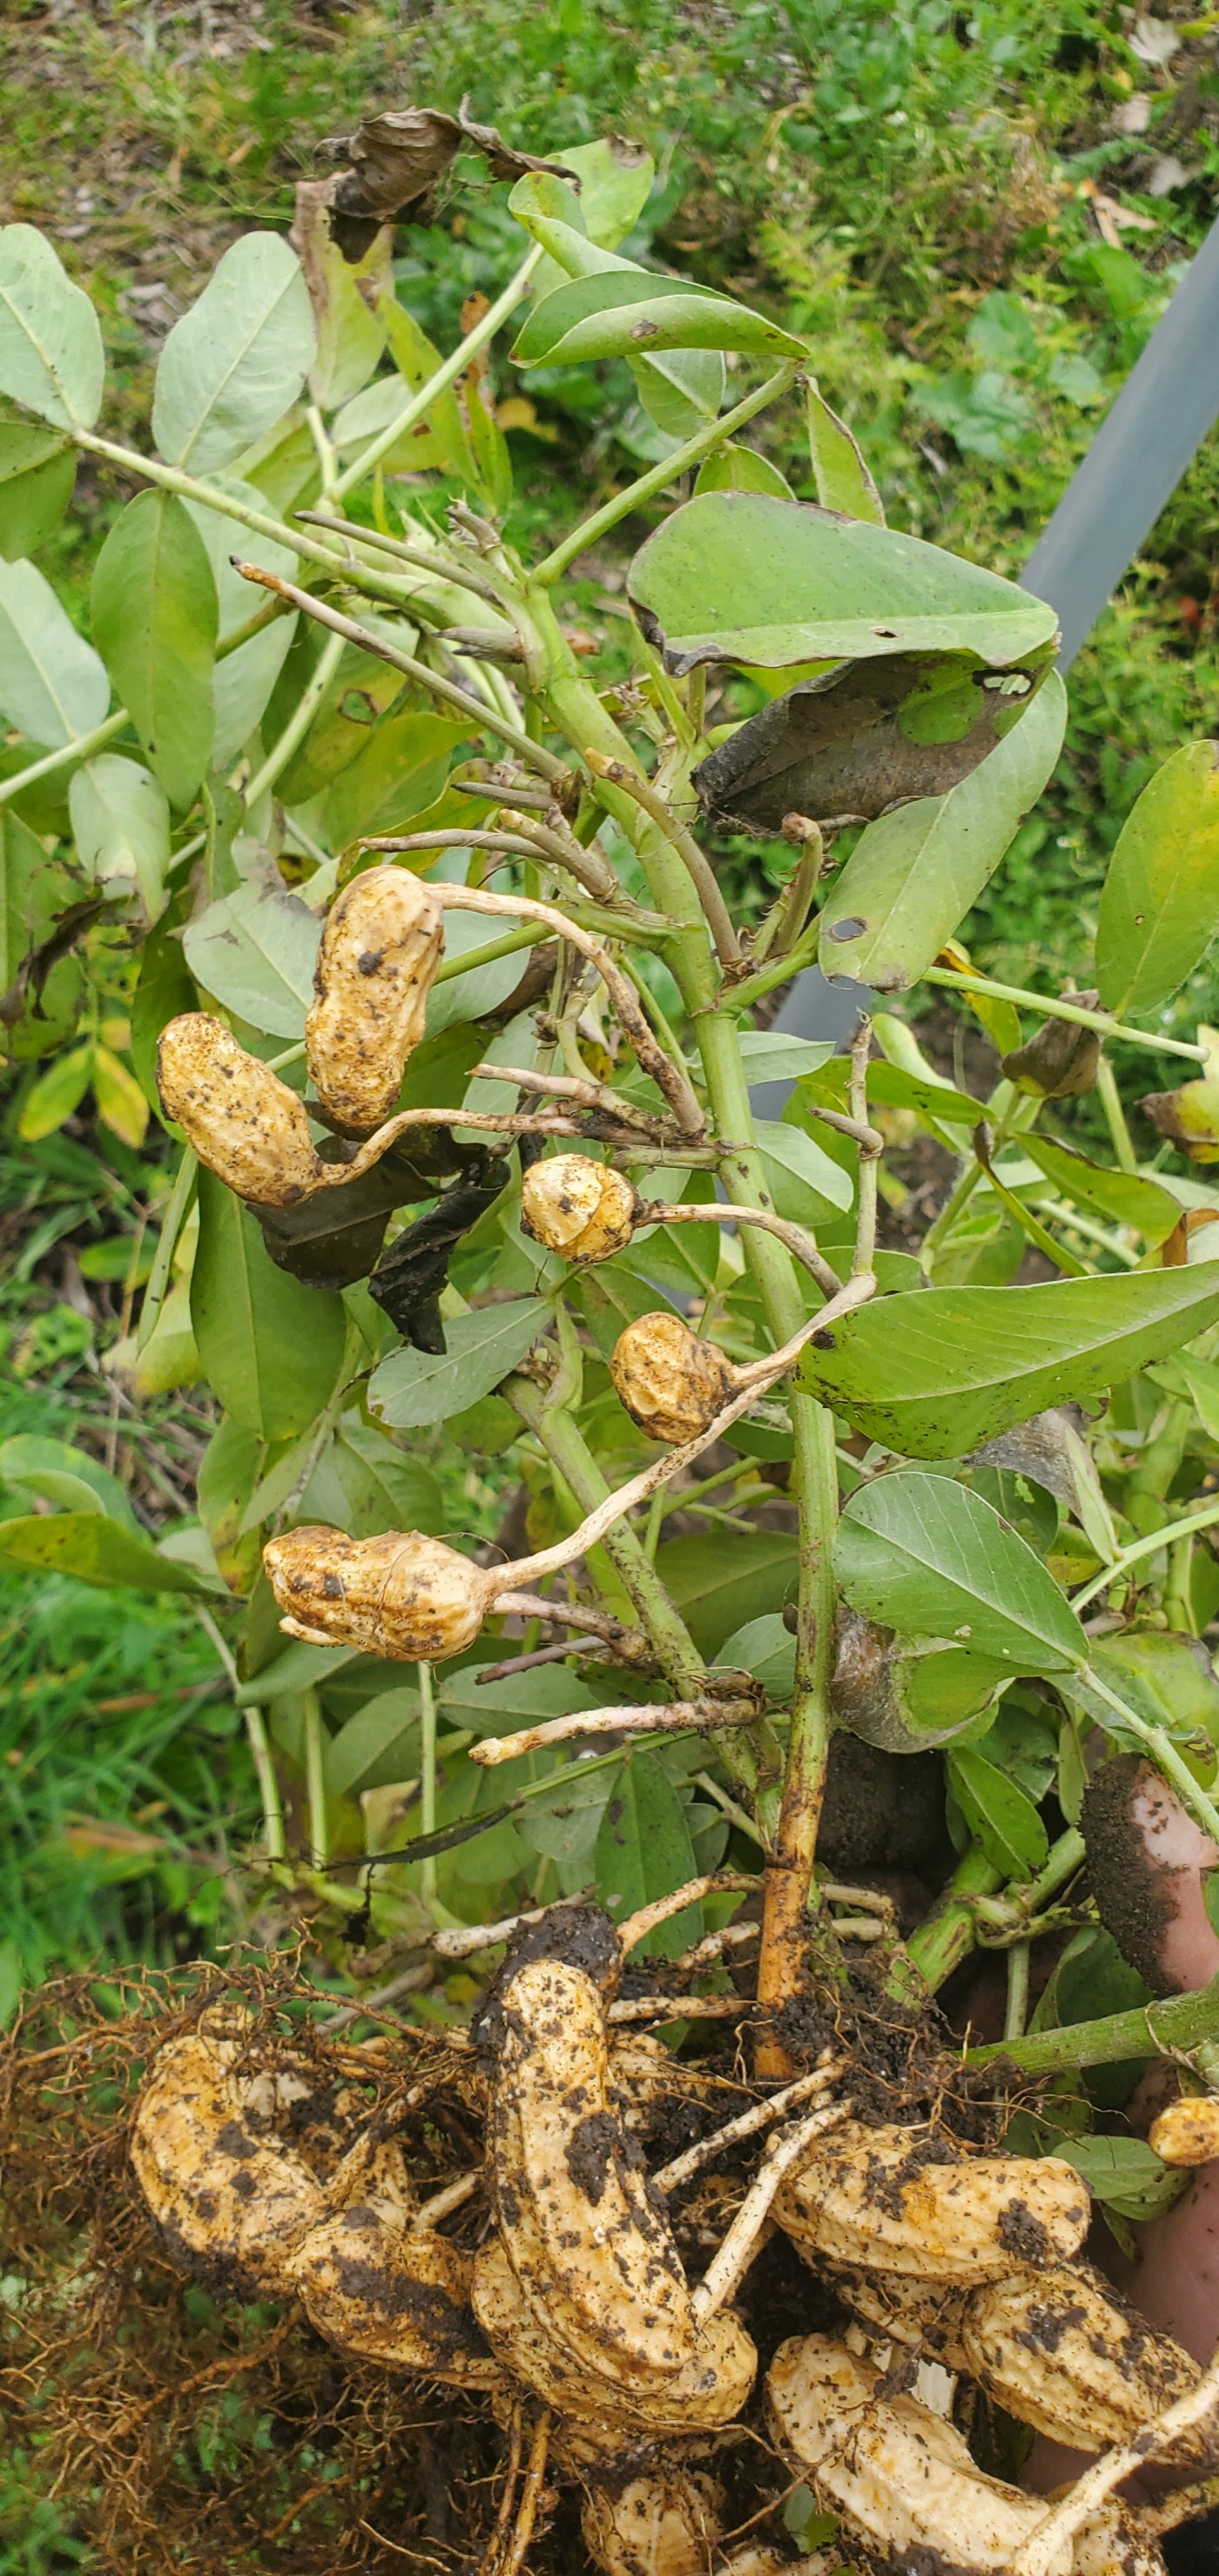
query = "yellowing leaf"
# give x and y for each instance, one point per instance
(121, 1105)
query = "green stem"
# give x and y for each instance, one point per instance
(1115, 1116)
(268, 1785)
(421, 403)
(527, 936)
(298, 724)
(958, 1197)
(1184, 2022)
(1141, 1547)
(178, 1208)
(1017, 2011)
(947, 1936)
(82, 748)
(1163, 1752)
(315, 1780)
(1064, 1214)
(427, 1767)
(1052, 1009)
(780, 970)
(658, 480)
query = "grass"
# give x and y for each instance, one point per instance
(951, 207)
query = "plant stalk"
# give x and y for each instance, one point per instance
(420, 404)
(1184, 2022)
(635, 494)
(1051, 1008)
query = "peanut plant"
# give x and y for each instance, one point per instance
(451, 1036)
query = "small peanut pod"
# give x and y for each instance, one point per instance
(580, 1209)
(225, 2203)
(708, 2391)
(894, 2201)
(391, 2293)
(403, 1596)
(1187, 2132)
(665, 2523)
(591, 2249)
(1060, 2351)
(243, 1122)
(671, 1383)
(375, 968)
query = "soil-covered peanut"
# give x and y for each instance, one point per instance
(391, 2293)
(665, 2523)
(1187, 2131)
(708, 2391)
(225, 2202)
(925, 2317)
(671, 1383)
(1060, 2351)
(404, 1596)
(590, 2247)
(243, 1122)
(375, 968)
(904, 2201)
(580, 1209)
(901, 2478)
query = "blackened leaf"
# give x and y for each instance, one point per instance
(407, 1282)
(400, 157)
(334, 1238)
(864, 737)
(1060, 1060)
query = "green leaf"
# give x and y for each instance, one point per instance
(155, 619)
(644, 1850)
(344, 295)
(271, 1349)
(1162, 1677)
(121, 1105)
(52, 684)
(469, 997)
(411, 1388)
(741, 469)
(360, 691)
(626, 313)
(615, 183)
(681, 390)
(243, 681)
(739, 577)
(913, 875)
(56, 1094)
(767, 1649)
(1160, 900)
(120, 821)
(51, 356)
(419, 450)
(67, 1477)
(924, 1556)
(520, 1699)
(34, 891)
(377, 1747)
(238, 359)
(255, 953)
(839, 468)
(720, 1580)
(803, 1180)
(398, 774)
(37, 474)
(384, 1489)
(440, 439)
(1125, 2174)
(768, 1055)
(94, 1550)
(998, 1814)
(1124, 1198)
(935, 1373)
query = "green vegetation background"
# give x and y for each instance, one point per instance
(977, 218)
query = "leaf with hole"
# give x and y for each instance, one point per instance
(935, 1373)
(741, 577)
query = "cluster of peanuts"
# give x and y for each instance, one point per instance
(570, 2297)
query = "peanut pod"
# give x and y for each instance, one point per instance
(243, 1122)
(391, 2293)
(672, 1383)
(1060, 2351)
(707, 2392)
(582, 1210)
(375, 968)
(1187, 2131)
(891, 2201)
(401, 1595)
(924, 2317)
(224, 2201)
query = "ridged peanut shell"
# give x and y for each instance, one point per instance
(591, 2249)
(403, 1596)
(225, 2202)
(665, 2523)
(1187, 2131)
(671, 1383)
(392, 2294)
(709, 2391)
(901, 2478)
(925, 2317)
(872, 2197)
(577, 1208)
(243, 1122)
(1060, 2351)
(375, 968)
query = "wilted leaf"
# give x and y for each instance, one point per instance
(52, 684)
(238, 359)
(1188, 1117)
(399, 158)
(862, 738)
(739, 577)
(51, 356)
(936, 1373)
(1060, 1060)
(345, 297)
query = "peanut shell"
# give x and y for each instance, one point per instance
(663, 2524)
(224, 2203)
(243, 1122)
(880, 2198)
(1062, 2352)
(1187, 2131)
(925, 2317)
(403, 1596)
(375, 968)
(671, 1383)
(580, 1209)
(709, 2391)
(391, 2293)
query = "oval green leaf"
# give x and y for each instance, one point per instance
(1001, 1817)
(51, 355)
(52, 685)
(934, 1373)
(271, 1349)
(839, 468)
(238, 359)
(913, 875)
(412, 1388)
(120, 819)
(626, 312)
(37, 473)
(741, 577)
(242, 682)
(155, 619)
(923, 1555)
(255, 953)
(1122, 1198)
(94, 1550)
(1160, 900)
